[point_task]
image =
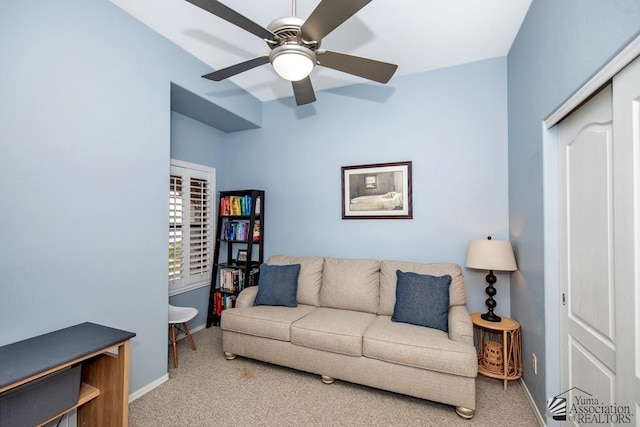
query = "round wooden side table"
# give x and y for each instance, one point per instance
(507, 334)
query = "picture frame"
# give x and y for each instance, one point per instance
(241, 256)
(377, 191)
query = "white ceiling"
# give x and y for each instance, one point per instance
(418, 35)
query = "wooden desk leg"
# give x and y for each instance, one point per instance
(123, 356)
(109, 373)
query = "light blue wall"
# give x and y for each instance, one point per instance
(451, 123)
(560, 45)
(195, 142)
(85, 124)
(84, 143)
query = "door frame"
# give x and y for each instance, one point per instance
(552, 294)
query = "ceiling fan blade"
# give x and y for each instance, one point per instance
(368, 68)
(328, 15)
(303, 91)
(230, 15)
(225, 73)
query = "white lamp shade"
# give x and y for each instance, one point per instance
(292, 63)
(491, 255)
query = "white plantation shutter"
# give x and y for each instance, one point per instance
(190, 226)
(176, 202)
(199, 227)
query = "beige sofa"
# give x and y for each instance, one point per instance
(341, 328)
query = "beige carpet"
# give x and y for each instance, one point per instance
(207, 390)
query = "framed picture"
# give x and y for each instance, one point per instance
(241, 257)
(377, 191)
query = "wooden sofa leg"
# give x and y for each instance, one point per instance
(327, 380)
(229, 356)
(465, 413)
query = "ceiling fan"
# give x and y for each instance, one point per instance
(295, 45)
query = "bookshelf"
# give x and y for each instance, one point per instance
(239, 248)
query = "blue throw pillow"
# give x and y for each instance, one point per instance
(278, 285)
(422, 300)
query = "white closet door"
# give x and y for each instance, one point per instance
(588, 334)
(626, 131)
(599, 189)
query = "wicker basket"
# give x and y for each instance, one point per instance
(493, 359)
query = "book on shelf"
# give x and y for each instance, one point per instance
(256, 232)
(217, 304)
(228, 301)
(238, 205)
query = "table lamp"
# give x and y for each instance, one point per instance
(491, 255)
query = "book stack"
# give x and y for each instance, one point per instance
(233, 279)
(235, 230)
(238, 205)
(222, 302)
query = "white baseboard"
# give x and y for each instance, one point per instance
(146, 389)
(539, 416)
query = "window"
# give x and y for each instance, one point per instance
(191, 187)
(370, 181)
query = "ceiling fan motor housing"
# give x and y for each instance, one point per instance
(288, 43)
(287, 30)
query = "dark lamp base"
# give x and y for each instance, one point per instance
(491, 317)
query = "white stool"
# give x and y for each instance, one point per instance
(179, 316)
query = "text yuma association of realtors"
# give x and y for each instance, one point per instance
(590, 410)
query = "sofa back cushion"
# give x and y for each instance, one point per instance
(309, 278)
(351, 284)
(388, 280)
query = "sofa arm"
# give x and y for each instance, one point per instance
(247, 297)
(460, 326)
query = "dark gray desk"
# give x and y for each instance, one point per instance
(104, 353)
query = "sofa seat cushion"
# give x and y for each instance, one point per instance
(329, 329)
(419, 347)
(264, 320)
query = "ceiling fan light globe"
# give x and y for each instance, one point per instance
(292, 63)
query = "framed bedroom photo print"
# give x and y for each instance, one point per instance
(377, 191)
(241, 257)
